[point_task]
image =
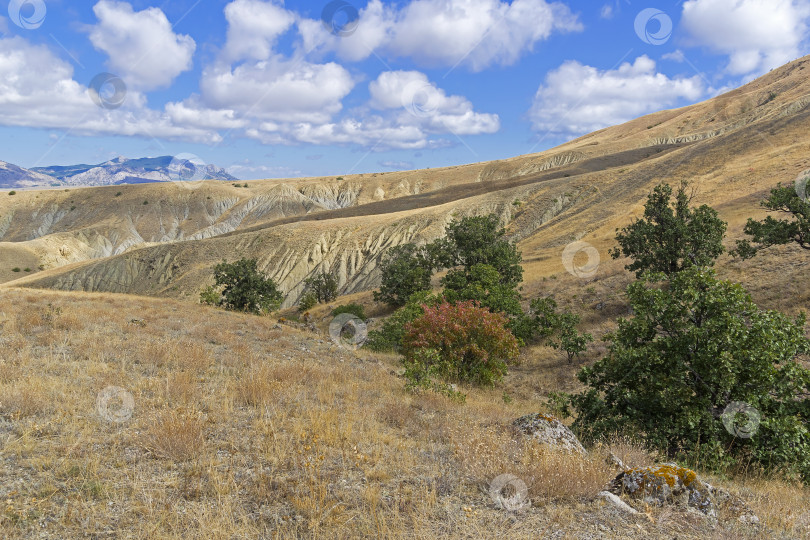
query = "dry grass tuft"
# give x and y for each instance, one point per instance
(630, 451)
(547, 472)
(174, 434)
(24, 398)
(181, 388)
(256, 387)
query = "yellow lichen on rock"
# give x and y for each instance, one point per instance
(665, 483)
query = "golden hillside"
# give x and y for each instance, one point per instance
(161, 240)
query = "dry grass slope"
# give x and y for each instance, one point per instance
(242, 428)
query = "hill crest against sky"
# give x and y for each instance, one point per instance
(163, 239)
(266, 89)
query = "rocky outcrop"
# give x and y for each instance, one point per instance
(668, 483)
(549, 431)
(671, 484)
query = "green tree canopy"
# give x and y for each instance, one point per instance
(695, 346)
(671, 236)
(244, 288)
(770, 231)
(558, 328)
(480, 240)
(469, 242)
(406, 269)
(484, 284)
(324, 286)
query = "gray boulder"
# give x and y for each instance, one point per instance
(548, 430)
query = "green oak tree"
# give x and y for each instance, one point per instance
(484, 284)
(770, 231)
(671, 235)
(244, 288)
(696, 354)
(480, 240)
(323, 285)
(406, 269)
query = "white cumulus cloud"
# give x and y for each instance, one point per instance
(253, 27)
(757, 35)
(475, 33)
(420, 102)
(372, 30)
(278, 89)
(249, 88)
(141, 46)
(37, 89)
(576, 99)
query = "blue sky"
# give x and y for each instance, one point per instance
(272, 89)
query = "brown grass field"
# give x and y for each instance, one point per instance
(244, 428)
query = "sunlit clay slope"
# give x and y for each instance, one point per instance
(163, 239)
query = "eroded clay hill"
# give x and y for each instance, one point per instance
(163, 239)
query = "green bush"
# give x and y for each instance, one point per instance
(355, 309)
(244, 288)
(460, 342)
(211, 296)
(389, 336)
(558, 328)
(15, 269)
(307, 301)
(406, 269)
(12, 192)
(324, 286)
(695, 346)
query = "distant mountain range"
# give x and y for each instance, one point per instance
(120, 170)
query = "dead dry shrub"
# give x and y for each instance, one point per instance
(293, 373)
(629, 451)
(29, 320)
(9, 372)
(24, 398)
(256, 387)
(174, 434)
(154, 353)
(397, 414)
(70, 319)
(549, 473)
(189, 355)
(181, 387)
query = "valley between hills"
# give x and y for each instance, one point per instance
(277, 431)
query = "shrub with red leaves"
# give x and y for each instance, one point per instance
(458, 342)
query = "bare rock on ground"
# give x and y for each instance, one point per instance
(667, 483)
(617, 502)
(548, 430)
